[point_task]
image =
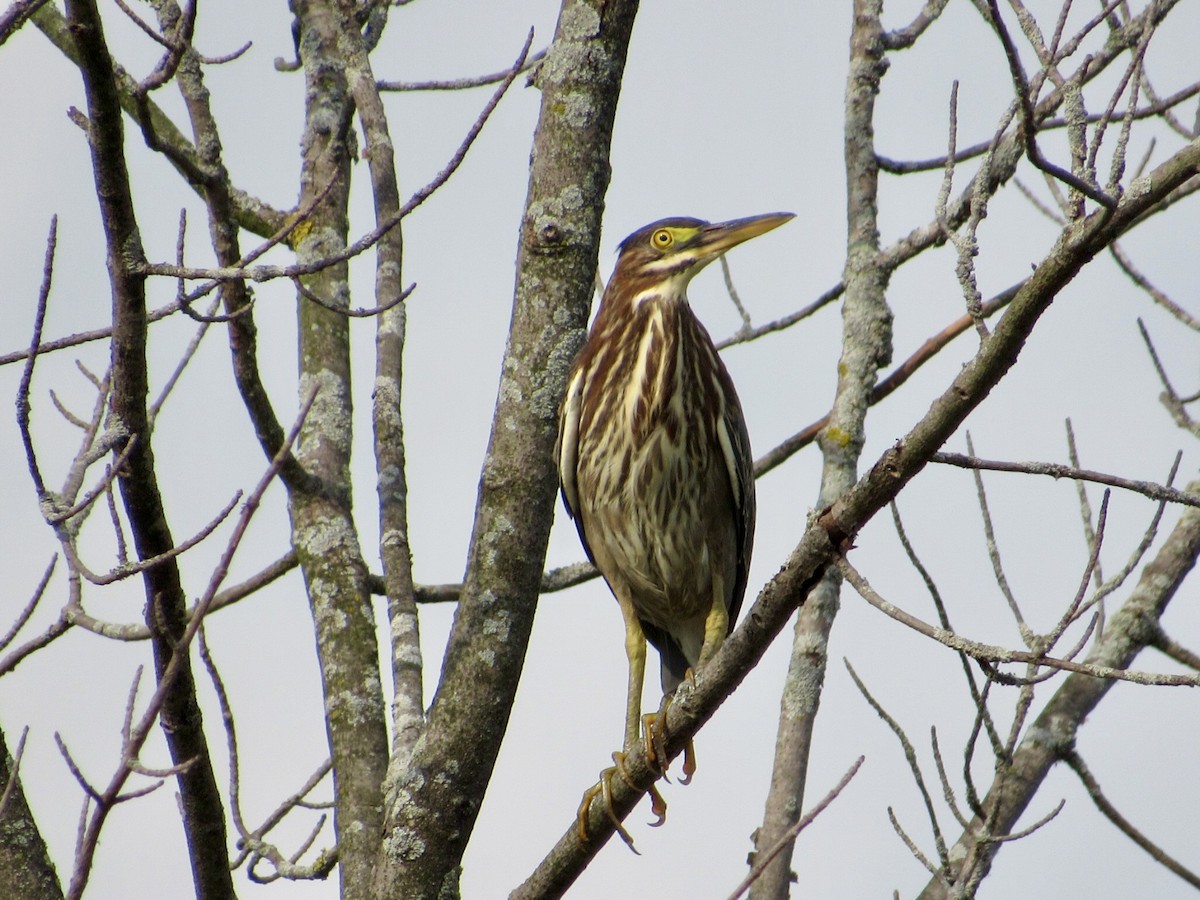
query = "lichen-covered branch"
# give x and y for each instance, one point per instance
(323, 529)
(439, 794)
(166, 608)
(390, 468)
(25, 867)
(866, 348)
(1052, 735)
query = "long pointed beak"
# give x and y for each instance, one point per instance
(715, 239)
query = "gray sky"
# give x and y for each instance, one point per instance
(726, 111)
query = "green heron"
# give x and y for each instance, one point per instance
(655, 464)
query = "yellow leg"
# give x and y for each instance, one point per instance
(716, 623)
(635, 650)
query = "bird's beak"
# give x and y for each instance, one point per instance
(715, 239)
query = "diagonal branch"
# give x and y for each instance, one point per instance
(835, 527)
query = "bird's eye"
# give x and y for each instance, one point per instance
(662, 239)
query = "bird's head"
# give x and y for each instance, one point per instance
(660, 259)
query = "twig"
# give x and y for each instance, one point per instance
(733, 295)
(994, 654)
(947, 789)
(1075, 761)
(23, 617)
(263, 273)
(23, 405)
(763, 860)
(360, 313)
(14, 773)
(994, 553)
(1176, 651)
(1170, 398)
(458, 84)
(127, 569)
(920, 857)
(742, 336)
(904, 38)
(1056, 470)
(17, 15)
(1029, 121)
(1159, 297)
(944, 619)
(897, 377)
(138, 734)
(910, 756)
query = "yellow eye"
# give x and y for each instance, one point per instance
(662, 239)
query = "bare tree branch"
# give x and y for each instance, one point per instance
(1075, 761)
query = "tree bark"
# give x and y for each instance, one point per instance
(1053, 733)
(866, 347)
(202, 806)
(25, 868)
(323, 529)
(438, 796)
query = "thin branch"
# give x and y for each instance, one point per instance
(16, 15)
(1029, 121)
(1056, 470)
(993, 654)
(1169, 398)
(14, 773)
(947, 789)
(761, 861)
(125, 570)
(263, 273)
(977, 697)
(23, 617)
(938, 874)
(993, 550)
(1159, 297)
(886, 386)
(910, 756)
(361, 313)
(1075, 761)
(140, 732)
(458, 84)
(746, 328)
(1176, 651)
(904, 38)
(23, 405)
(742, 336)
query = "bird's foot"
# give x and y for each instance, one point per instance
(655, 726)
(603, 789)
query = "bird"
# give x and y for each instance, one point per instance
(655, 467)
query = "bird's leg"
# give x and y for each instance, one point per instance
(716, 626)
(635, 650)
(716, 623)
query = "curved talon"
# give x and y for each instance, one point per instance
(603, 787)
(658, 806)
(655, 743)
(689, 763)
(689, 750)
(585, 806)
(606, 792)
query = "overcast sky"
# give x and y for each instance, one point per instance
(727, 110)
